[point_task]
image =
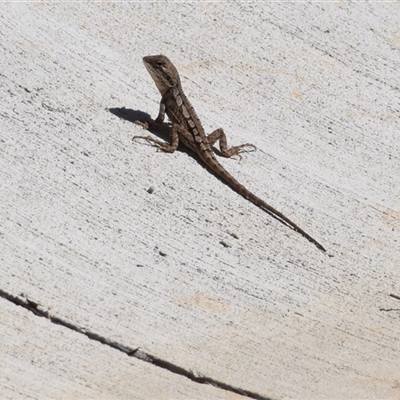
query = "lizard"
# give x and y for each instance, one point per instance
(187, 128)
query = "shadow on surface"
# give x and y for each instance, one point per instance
(129, 114)
(136, 115)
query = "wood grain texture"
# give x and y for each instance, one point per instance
(314, 86)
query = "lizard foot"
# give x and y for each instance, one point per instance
(162, 146)
(236, 150)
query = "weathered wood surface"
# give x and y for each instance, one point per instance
(315, 87)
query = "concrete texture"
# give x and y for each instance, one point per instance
(193, 274)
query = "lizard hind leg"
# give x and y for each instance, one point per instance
(225, 151)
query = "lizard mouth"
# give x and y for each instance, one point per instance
(157, 73)
(148, 65)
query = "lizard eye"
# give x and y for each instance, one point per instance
(159, 63)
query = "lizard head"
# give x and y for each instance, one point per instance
(162, 71)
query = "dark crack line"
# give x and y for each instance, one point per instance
(137, 353)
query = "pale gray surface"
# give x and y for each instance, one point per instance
(314, 86)
(41, 360)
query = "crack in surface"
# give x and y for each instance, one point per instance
(33, 307)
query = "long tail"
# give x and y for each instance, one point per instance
(239, 188)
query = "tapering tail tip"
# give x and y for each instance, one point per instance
(322, 248)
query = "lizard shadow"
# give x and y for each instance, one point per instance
(137, 115)
(129, 114)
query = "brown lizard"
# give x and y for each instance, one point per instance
(187, 128)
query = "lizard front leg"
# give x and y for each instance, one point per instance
(152, 124)
(164, 146)
(225, 151)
